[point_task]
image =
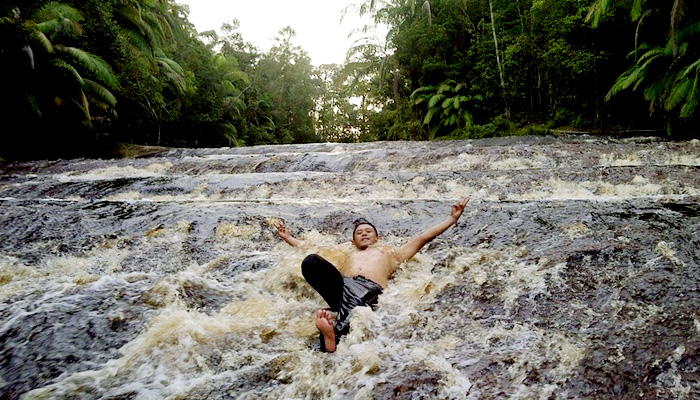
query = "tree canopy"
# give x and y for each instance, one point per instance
(83, 76)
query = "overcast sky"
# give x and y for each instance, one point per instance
(316, 22)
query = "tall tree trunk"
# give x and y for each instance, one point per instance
(595, 81)
(396, 91)
(363, 123)
(676, 12)
(498, 56)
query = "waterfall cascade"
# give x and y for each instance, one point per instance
(573, 273)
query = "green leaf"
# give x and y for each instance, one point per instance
(435, 99)
(428, 116)
(637, 9)
(447, 102)
(468, 118)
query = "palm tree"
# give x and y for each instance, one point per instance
(668, 74)
(233, 84)
(147, 29)
(67, 77)
(373, 57)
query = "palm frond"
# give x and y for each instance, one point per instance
(54, 10)
(596, 12)
(99, 92)
(59, 19)
(153, 39)
(174, 72)
(97, 67)
(422, 90)
(691, 103)
(657, 91)
(138, 42)
(654, 52)
(48, 27)
(172, 64)
(620, 84)
(85, 105)
(694, 67)
(40, 38)
(638, 75)
(689, 33)
(635, 76)
(69, 69)
(159, 26)
(678, 93)
(637, 9)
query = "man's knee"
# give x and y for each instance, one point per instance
(311, 263)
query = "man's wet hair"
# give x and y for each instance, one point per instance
(362, 221)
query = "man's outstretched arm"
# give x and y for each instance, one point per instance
(408, 250)
(286, 235)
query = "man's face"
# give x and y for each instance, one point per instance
(364, 236)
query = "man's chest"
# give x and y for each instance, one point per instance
(369, 259)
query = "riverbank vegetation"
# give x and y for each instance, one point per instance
(83, 77)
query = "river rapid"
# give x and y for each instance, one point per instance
(573, 273)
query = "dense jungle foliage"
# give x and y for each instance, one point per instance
(80, 77)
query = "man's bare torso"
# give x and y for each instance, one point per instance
(376, 263)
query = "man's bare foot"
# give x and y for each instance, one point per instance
(324, 323)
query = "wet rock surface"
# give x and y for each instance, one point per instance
(573, 274)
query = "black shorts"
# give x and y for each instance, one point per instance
(341, 293)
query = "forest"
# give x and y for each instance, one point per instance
(82, 78)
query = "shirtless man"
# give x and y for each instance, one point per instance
(369, 267)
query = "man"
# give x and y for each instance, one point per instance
(367, 271)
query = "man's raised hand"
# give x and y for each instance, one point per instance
(286, 235)
(458, 208)
(283, 231)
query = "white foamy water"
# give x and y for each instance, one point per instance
(163, 278)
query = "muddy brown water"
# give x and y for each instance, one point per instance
(573, 273)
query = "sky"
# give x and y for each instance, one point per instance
(316, 22)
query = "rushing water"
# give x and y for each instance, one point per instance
(573, 273)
